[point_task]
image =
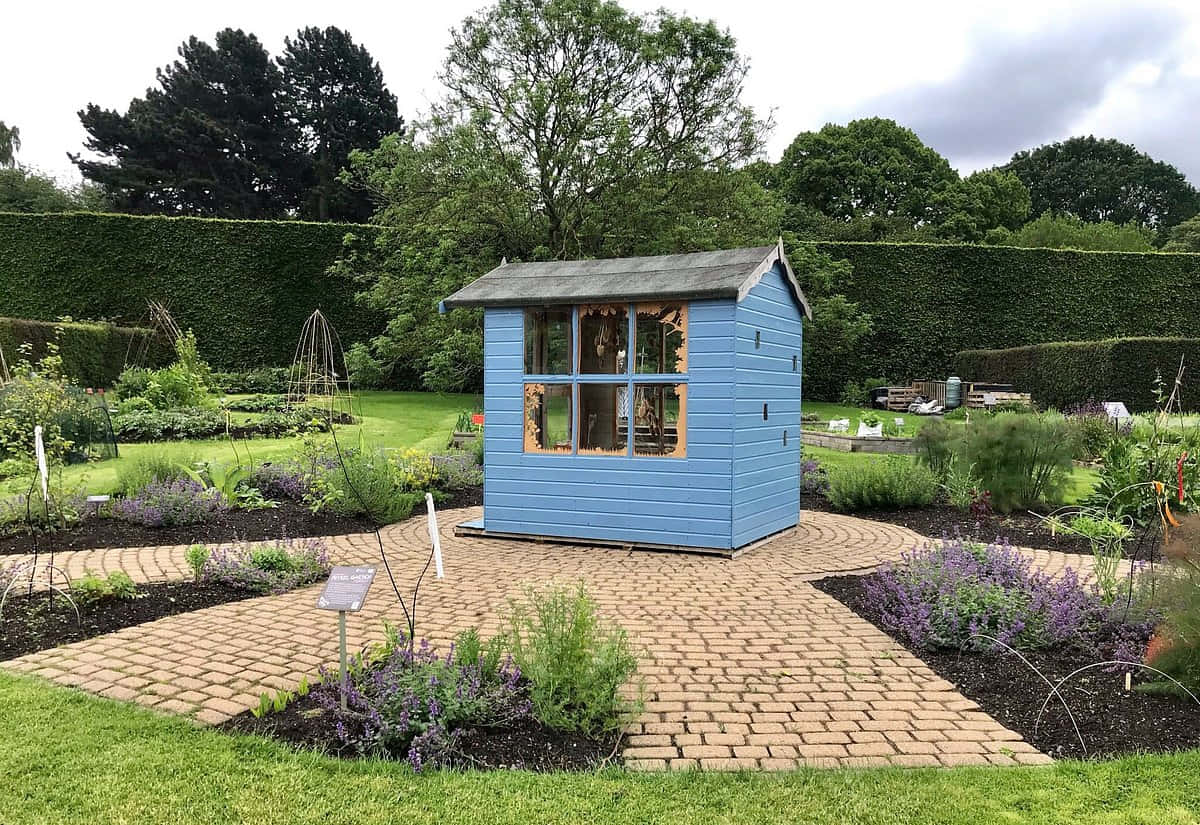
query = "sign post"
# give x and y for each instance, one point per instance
(345, 591)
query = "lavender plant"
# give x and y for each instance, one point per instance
(946, 594)
(263, 567)
(814, 480)
(407, 702)
(171, 503)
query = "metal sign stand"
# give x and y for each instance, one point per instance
(345, 591)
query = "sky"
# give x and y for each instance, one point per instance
(977, 81)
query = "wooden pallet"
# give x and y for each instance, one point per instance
(898, 398)
(975, 399)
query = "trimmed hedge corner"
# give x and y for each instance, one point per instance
(244, 287)
(931, 301)
(93, 354)
(1065, 373)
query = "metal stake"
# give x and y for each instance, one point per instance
(342, 652)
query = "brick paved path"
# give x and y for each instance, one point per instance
(745, 663)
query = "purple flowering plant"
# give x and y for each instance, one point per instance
(813, 477)
(263, 567)
(942, 594)
(286, 480)
(409, 702)
(170, 503)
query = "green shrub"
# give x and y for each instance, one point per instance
(260, 381)
(39, 394)
(364, 482)
(132, 382)
(91, 588)
(891, 484)
(93, 354)
(936, 444)
(576, 664)
(1065, 374)
(1023, 460)
(245, 287)
(196, 556)
(858, 393)
(162, 425)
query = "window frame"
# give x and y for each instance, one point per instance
(628, 379)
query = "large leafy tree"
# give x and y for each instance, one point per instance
(213, 139)
(571, 128)
(338, 102)
(23, 189)
(869, 168)
(1105, 180)
(1184, 237)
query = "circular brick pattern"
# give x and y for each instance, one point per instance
(744, 663)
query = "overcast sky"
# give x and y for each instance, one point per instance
(976, 80)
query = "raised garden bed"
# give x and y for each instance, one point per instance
(527, 745)
(290, 519)
(1113, 721)
(1019, 529)
(29, 624)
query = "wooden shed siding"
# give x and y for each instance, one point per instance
(766, 474)
(683, 501)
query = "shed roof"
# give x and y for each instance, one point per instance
(726, 273)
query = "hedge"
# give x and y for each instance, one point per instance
(1066, 373)
(93, 354)
(244, 287)
(930, 302)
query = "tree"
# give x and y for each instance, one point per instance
(338, 102)
(10, 144)
(1069, 232)
(571, 128)
(869, 168)
(1105, 180)
(1184, 237)
(213, 140)
(22, 190)
(980, 203)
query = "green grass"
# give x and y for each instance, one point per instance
(389, 419)
(827, 410)
(70, 757)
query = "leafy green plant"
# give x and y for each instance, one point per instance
(961, 487)
(91, 588)
(891, 484)
(364, 482)
(936, 445)
(196, 557)
(1024, 460)
(576, 664)
(224, 478)
(870, 420)
(152, 465)
(858, 393)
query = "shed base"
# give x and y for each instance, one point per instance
(474, 529)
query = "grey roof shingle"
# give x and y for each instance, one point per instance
(726, 273)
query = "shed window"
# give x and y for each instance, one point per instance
(548, 418)
(548, 341)
(603, 418)
(659, 417)
(603, 339)
(660, 343)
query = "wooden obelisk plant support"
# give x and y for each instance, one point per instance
(319, 378)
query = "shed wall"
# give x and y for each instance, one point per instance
(683, 501)
(766, 473)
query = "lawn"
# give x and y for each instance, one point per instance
(71, 757)
(389, 419)
(827, 411)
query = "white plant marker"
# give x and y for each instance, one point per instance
(434, 536)
(39, 450)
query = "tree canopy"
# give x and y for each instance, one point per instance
(571, 128)
(1070, 232)
(1105, 180)
(10, 144)
(229, 133)
(338, 102)
(1184, 237)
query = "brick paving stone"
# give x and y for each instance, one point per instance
(744, 663)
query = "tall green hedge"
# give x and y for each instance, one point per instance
(93, 354)
(1066, 373)
(244, 287)
(929, 302)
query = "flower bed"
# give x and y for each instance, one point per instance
(982, 618)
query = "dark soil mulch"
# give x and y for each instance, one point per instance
(1111, 720)
(288, 519)
(32, 623)
(940, 520)
(526, 746)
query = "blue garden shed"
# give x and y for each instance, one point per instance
(650, 402)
